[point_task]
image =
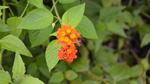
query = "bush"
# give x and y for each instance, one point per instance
(74, 42)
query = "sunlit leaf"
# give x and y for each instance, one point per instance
(30, 80)
(36, 19)
(4, 77)
(73, 16)
(18, 67)
(84, 27)
(14, 44)
(51, 54)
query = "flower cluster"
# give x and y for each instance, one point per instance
(67, 37)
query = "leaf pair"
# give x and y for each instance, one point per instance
(13, 43)
(19, 72)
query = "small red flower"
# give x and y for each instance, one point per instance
(67, 36)
(67, 53)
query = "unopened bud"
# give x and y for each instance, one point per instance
(53, 25)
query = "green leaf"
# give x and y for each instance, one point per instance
(118, 72)
(57, 77)
(105, 56)
(36, 19)
(38, 37)
(14, 44)
(13, 22)
(90, 82)
(102, 33)
(70, 5)
(87, 29)
(116, 28)
(136, 70)
(109, 3)
(128, 18)
(123, 72)
(37, 3)
(4, 77)
(70, 75)
(144, 29)
(41, 65)
(73, 16)
(4, 27)
(30, 80)
(108, 14)
(18, 67)
(51, 54)
(133, 82)
(66, 1)
(145, 40)
(33, 70)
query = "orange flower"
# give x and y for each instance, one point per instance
(67, 37)
(67, 53)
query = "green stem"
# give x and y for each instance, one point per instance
(4, 11)
(24, 10)
(54, 5)
(56, 11)
(1, 52)
(146, 15)
(11, 11)
(135, 56)
(148, 53)
(0, 57)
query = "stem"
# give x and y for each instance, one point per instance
(1, 52)
(146, 15)
(4, 11)
(148, 53)
(9, 3)
(11, 11)
(56, 21)
(56, 11)
(0, 57)
(24, 10)
(135, 56)
(54, 5)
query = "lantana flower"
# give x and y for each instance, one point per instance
(67, 36)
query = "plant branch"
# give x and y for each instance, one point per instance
(148, 53)
(1, 52)
(11, 11)
(135, 56)
(24, 10)
(1, 57)
(54, 5)
(146, 15)
(4, 11)
(56, 11)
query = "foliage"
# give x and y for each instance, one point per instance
(113, 48)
